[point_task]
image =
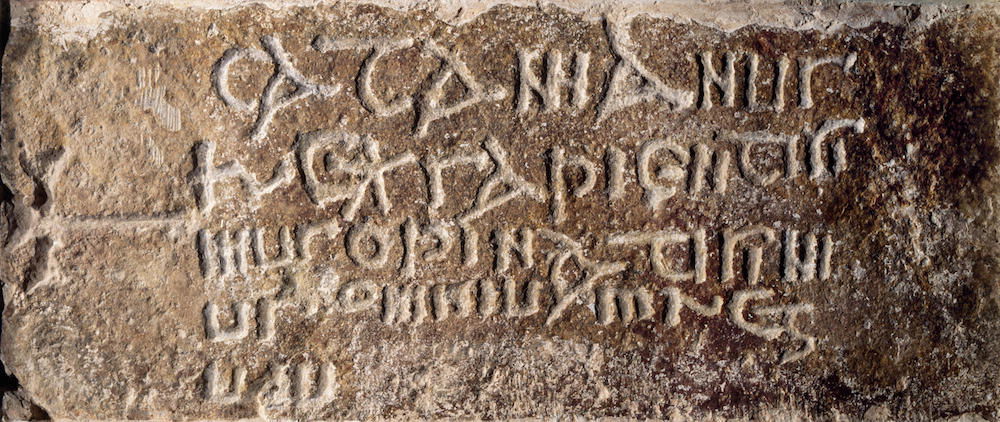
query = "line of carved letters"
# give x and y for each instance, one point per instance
(404, 247)
(346, 169)
(306, 384)
(348, 172)
(301, 385)
(545, 83)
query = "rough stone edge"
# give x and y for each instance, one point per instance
(74, 21)
(81, 20)
(15, 403)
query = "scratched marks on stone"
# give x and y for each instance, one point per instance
(153, 99)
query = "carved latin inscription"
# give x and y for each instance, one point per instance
(271, 99)
(359, 158)
(375, 261)
(542, 77)
(332, 210)
(623, 90)
(283, 385)
(556, 79)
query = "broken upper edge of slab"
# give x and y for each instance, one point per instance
(80, 20)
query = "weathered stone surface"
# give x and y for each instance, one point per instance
(338, 210)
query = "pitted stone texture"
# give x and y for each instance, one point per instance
(341, 211)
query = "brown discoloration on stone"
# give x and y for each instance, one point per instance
(104, 142)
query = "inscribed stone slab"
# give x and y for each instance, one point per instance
(329, 210)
